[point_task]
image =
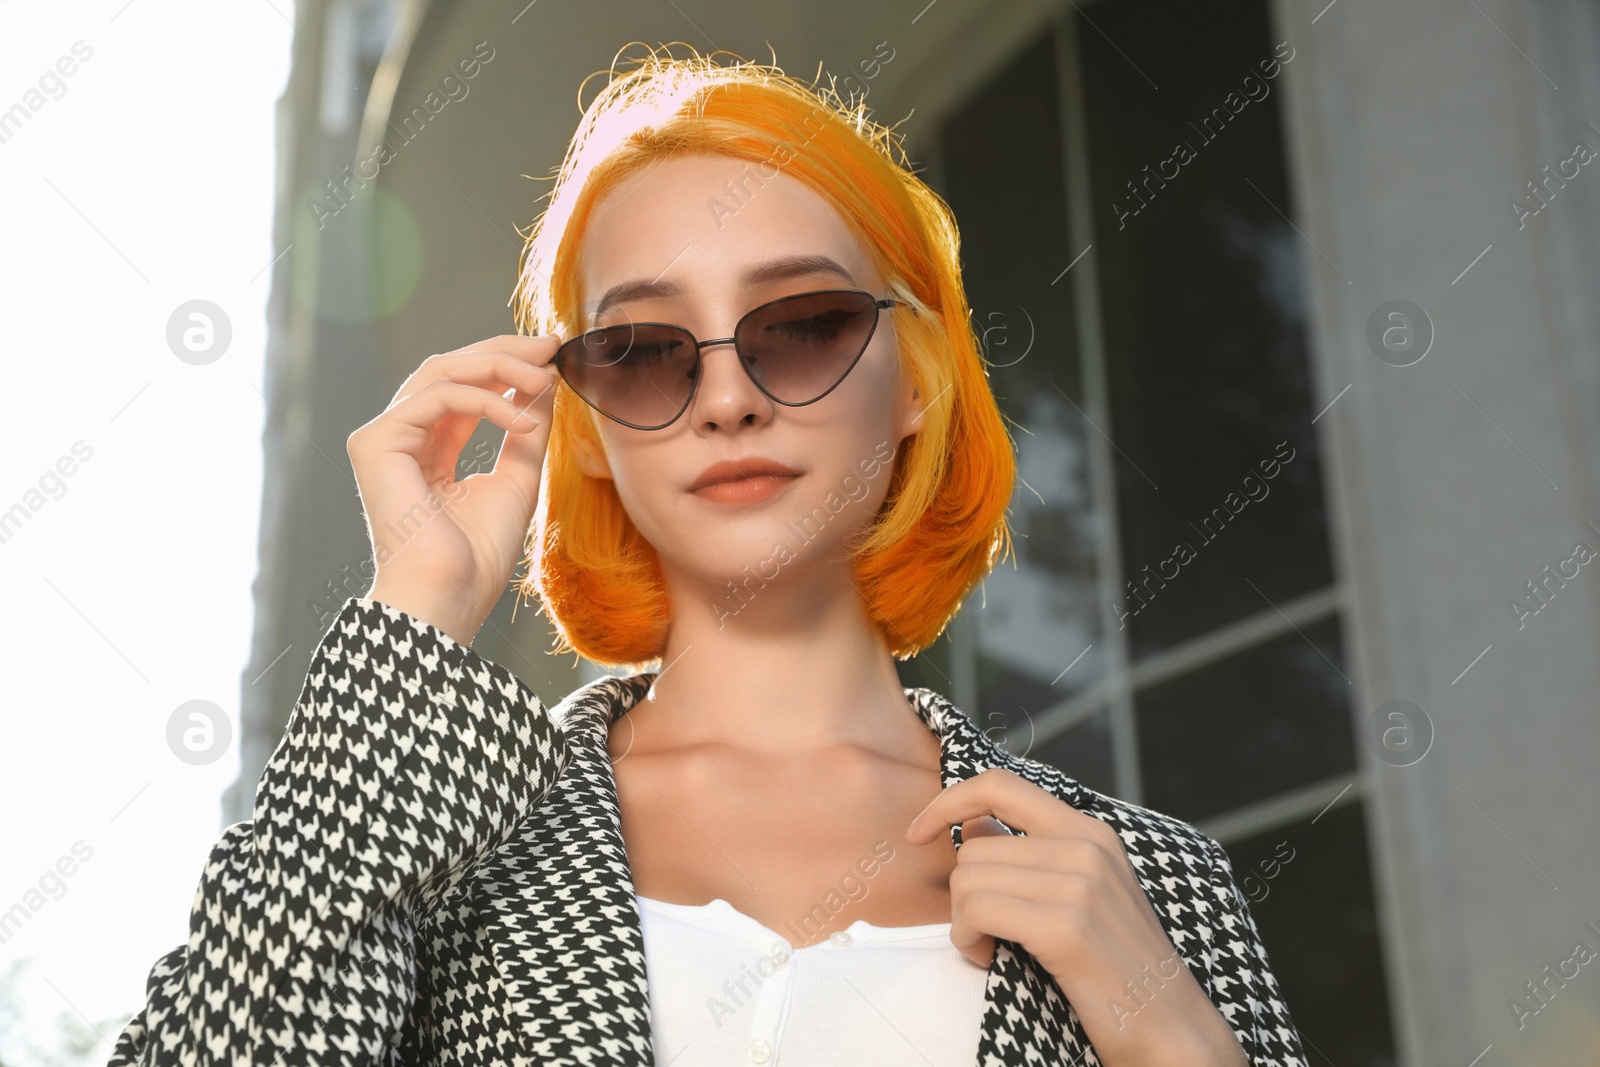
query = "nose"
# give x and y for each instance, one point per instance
(725, 396)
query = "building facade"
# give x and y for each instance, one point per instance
(1292, 309)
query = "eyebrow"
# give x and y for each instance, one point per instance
(774, 270)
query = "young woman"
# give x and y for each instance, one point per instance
(751, 432)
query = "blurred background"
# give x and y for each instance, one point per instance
(1292, 304)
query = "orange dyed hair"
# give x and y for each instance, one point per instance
(942, 526)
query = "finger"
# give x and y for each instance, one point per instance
(973, 942)
(984, 826)
(538, 349)
(530, 351)
(1010, 798)
(521, 458)
(1035, 884)
(1089, 853)
(979, 951)
(428, 429)
(487, 368)
(521, 455)
(988, 913)
(410, 424)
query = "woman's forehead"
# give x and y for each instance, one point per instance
(680, 222)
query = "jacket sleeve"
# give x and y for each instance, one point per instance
(406, 760)
(1242, 985)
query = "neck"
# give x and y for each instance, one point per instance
(800, 667)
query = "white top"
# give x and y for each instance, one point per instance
(727, 990)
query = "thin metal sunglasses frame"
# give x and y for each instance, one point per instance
(879, 304)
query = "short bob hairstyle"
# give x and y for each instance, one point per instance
(943, 524)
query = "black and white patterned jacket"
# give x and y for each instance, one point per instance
(434, 873)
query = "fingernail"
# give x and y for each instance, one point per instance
(914, 820)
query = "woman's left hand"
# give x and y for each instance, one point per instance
(1067, 893)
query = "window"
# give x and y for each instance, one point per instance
(1171, 630)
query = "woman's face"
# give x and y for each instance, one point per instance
(682, 230)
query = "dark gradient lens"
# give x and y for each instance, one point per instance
(640, 373)
(798, 348)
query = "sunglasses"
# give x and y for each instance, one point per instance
(796, 349)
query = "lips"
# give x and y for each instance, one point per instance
(741, 470)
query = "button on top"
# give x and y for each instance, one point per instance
(760, 1051)
(841, 938)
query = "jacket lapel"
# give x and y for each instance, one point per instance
(1026, 1019)
(563, 924)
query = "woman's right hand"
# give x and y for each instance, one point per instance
(445, 549)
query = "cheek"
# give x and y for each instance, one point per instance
(868, 422)
(639, 483)
(650, 476)
(648, 506)
(641, 473)
(868, 391)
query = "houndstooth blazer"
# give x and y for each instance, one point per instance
(434, 873)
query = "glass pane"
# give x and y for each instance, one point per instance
(1203, 314)
(1262, 721)
(931, 669)
(1004, 179)
(1310, 891)
(1083, 751)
